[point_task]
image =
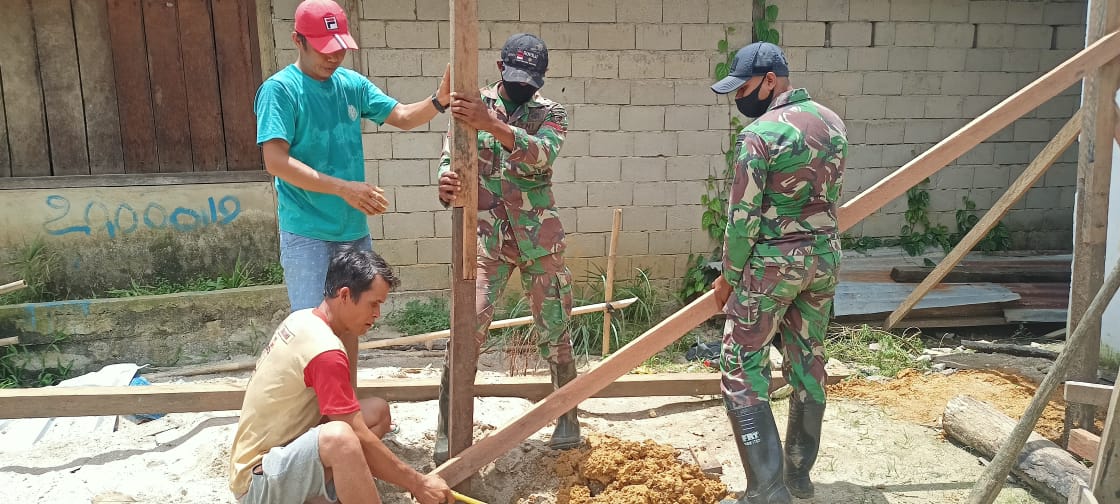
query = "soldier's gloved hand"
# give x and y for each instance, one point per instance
(449, 187)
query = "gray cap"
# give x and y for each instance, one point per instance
(755, 59)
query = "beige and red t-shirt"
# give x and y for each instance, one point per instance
(302, 375)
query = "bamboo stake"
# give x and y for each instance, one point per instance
(10, 287)
(14, 340)
(608, 291)
(991, 481)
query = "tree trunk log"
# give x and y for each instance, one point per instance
(1047, 468)
(1009, 349)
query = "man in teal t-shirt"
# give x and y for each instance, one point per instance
(309, 129)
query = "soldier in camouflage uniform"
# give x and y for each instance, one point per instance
(781, 255)
(519, 136)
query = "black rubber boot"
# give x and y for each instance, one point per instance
(441, 452)
(566, 436)
(803, 440)
(760, 449)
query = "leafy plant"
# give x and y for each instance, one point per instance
(999, 238)
(244, 274)
(39, 267)
(421, 316)
(16, 370)
(919, 233)
(763, 26)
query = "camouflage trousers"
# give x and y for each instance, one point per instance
(785, 297)
(547, 283)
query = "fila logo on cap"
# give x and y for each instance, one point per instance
(331, 22)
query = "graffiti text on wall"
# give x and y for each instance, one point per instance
(125, 219)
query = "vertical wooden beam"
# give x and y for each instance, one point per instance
(1018, 189)
(608, 289)
(463, 350)
(62, 86)
(99, 92)
(25, 116)
(1106, 472)
(1090, 229)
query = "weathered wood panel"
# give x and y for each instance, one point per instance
(169, 92)
(233, 25)
(62, 88)
(23, 93)
(5, 159)
(196, 41)
(134, 93)
(99, 92)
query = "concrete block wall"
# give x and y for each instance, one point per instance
(646, 131)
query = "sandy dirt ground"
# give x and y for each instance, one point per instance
(877, 447)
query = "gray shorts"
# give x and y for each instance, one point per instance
(290, 474)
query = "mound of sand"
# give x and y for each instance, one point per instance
(612, 471)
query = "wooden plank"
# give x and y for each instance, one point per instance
(12, 287)
(987, 487)
(608, 289)
(1090, 220)
(169, 90)
(23, 92)
(1106, 472)
(267, 57)
(62, 86)
(198, 397)
(122, 180)
(964, 273)
(497, 324)
(1087, 393)
(9, 341)
(238, 83)
(1018, 189)
(99, 92)
(464, 138)
(462, 466)
(134, 91)
(196, 43)
(249, 10)
(987, 124)
(463, 349)
(1084, 444)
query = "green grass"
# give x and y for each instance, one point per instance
(895, 351)
(421, 316)
(39, 267)
(16, 370)
(243, 275)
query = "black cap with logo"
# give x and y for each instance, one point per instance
(526, 60)
(755, 59)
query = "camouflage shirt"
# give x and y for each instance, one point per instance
(788, 172)
(515, 201)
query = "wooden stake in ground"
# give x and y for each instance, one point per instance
(462, 466)
(1090, 220)
(608, 290)
(991, 481)
(1106, 472)
(463, 351)
(1018, 189)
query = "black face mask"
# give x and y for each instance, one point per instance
(518, 93)
(751, 105)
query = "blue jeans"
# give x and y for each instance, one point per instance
(305, 262)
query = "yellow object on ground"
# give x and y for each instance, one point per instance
(463, 498)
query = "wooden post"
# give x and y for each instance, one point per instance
(463, 350)
(1006, 112)
(991, 481)
(1106, 472)
(1018, 189)
(608, 290)
(1090, 226)
(462, 466)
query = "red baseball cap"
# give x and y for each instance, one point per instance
(323, 23)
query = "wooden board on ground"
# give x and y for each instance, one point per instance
(62, 86)
(197, 397)
(980, 272)
(23, 93)
(1044, 466)
(99, 92)
(1084, 444)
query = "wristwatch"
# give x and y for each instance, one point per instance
(439, 106)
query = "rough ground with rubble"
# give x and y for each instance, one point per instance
(878, 447)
